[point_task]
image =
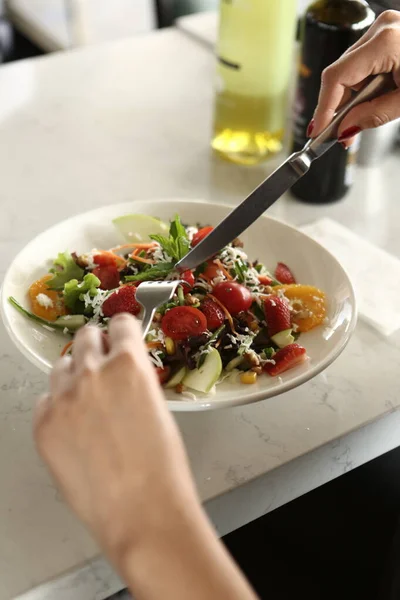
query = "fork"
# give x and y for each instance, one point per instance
(151, 295)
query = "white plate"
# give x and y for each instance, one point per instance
(268, 240)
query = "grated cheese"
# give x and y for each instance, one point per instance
(245, 341)
(219, 277)
(154, 356)
(205, 285)
(156, 335)
(89, 258)
(160, 256)
(96, 302)
(190, 232)
(230, 256)
(44, 301)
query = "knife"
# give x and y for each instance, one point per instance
(281, 180)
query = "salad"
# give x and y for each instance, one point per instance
(231, 318)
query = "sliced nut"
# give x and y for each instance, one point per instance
(191, 299)
(252, 358)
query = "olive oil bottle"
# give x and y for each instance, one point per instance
(328, 29)
(255, 63)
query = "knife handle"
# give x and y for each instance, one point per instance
(375, 87)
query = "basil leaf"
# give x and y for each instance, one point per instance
(158, 271)
(177, 245)
(166, 244)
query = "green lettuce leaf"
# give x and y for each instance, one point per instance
(65, 269)
(75, 290)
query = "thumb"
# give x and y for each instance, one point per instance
(369, 115)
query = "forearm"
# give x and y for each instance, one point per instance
(183, 559)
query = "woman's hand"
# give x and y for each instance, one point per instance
(108, 438)
(105, 432)
(378, 51)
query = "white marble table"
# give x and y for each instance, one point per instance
(102, 125)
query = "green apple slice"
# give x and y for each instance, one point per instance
(283, 338)
(176, 379)
(138, 228)
(203, 379)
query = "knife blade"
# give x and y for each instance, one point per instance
(242, 217)
(281, 180)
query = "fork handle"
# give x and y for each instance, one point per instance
(147, 320)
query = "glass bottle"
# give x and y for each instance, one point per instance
(329, 27)
(255, 63)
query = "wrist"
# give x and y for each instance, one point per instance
(167, 536)
(129, 535)
(179, 556)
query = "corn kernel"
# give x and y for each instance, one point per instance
(249, 377)
(169, 345)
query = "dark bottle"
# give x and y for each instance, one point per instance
(328, 28)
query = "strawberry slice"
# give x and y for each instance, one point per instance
(283, 274)
(108, 275)
(122, 300)
(163, 374)
(285, 359)
(214, 314)
(277, 314)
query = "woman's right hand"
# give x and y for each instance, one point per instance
(106, 434)
(378, 51)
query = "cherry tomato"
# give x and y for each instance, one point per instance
(200, 235)
(163, 374)
(234, 296)
(214, 314)
(104, 259)
(183, 322)
(108, 275)
(188, 277)
(212, 270)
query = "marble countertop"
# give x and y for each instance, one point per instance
(129, 120)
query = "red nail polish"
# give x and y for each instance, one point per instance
(349, 133)
(310, 128)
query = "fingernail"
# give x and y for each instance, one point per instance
(349, 133)
(310, 127)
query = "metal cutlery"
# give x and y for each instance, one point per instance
(152, 294)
